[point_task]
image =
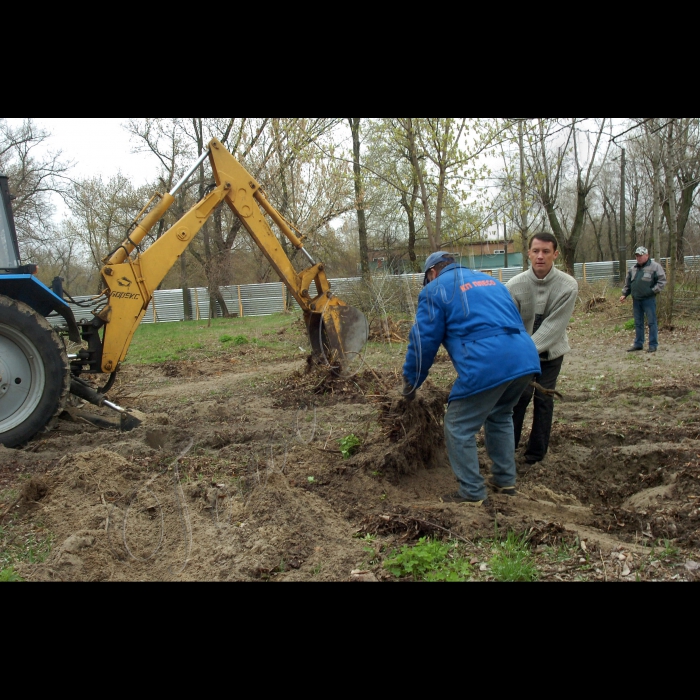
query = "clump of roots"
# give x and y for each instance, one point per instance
(413, 434)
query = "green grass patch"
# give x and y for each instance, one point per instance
(198, 340)
(429, 560)
(7, 575)
(512, 560)
(31, 547)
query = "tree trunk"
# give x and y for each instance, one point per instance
(571, 243)
(183, 286)
(611, 215)
(433, 234)
(568, 245)
(672, 230)
(622, 242)
(655, 243)
(686, 204)
(359, 196)
(410, 209)
(597, 233)
(634, 213)
(524, 233)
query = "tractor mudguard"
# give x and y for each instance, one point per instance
(29, 290)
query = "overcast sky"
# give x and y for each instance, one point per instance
(97, 147)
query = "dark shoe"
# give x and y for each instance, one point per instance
(504, 490)
(523, 466)
(634, 348)
(456, 498)
(651, 350)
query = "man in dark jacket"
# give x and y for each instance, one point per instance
(475, 318)
(644, 281)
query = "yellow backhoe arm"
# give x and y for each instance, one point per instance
(337, 331)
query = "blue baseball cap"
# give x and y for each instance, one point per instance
(433, 260)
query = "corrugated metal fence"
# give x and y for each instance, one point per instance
(264, 299)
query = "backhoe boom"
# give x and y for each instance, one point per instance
(336, 330)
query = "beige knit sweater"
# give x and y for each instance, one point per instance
(554, 297)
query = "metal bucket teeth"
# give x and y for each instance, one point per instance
(338, 337)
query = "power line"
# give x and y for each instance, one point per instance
(632, 128)
(642, 123)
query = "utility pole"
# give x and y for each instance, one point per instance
(505, 241)
(623, 233)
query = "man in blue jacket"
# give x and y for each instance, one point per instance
(475, 318)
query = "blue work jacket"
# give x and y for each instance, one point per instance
(475, 318)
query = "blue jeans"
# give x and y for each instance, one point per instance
(641, 308)
(492, 409)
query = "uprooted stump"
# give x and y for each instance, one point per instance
(414, 433)
(386, 330)
(550, 534)
(595, 304)
(320, 386)
(409, 527)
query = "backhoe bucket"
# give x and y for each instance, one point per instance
(338, 337)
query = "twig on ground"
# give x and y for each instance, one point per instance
(444, 529)
(2, 517)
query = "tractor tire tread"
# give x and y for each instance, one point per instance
(51, 337)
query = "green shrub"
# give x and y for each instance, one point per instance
(236, 340)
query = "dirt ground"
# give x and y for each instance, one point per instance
(238, 475)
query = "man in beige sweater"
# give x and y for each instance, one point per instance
(545, 298)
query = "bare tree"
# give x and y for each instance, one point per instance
(283, 154)
(390, 174)
(34, 174)
(175, 142)
(101, 215)
(681, 164)
(549, 154)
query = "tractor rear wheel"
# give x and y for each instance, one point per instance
(34, 373)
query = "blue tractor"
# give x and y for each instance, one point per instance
(35, 371)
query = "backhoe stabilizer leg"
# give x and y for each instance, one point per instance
(129, 418)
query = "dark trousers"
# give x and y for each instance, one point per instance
(543, 411)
